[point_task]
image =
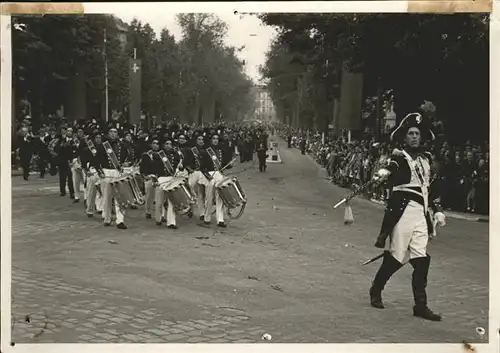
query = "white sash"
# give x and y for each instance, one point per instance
(423, 185)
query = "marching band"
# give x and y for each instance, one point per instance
(171, 178)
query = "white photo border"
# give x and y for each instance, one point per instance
(249, 7)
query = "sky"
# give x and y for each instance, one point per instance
(242, 30)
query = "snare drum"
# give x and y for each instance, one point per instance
(122, 191)
(231, 192)
(179, 193)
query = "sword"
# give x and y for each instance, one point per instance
(373, 259)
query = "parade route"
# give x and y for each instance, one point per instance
(288, 267)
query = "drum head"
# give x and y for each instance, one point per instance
(224, 182)
(175, 183)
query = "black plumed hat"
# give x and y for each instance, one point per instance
(413, 120)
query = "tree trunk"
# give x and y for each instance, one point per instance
(77, 97)
(195, 111)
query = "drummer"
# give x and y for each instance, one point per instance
(182, 151)
(147, 169)
(224, 160)
(197, 180)
(164, 177)
(94, 198)
(111, 172)
(130, 161)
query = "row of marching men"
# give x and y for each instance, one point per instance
(171, 178)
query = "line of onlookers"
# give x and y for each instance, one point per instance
(462, 168)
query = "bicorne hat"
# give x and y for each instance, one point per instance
(413, 120)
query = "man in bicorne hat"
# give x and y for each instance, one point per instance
(407, 221)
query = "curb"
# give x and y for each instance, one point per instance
(449, 214)
(17, 172)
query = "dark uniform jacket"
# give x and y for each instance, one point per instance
(66, 150)
(120, 151)
(193, 162)
(146, 166)
(160, 166)
(400, 175)
(222, 155)
(91, 158)
(129, 146)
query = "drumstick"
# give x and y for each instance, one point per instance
(227, 165)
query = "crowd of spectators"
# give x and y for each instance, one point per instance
(462, 169)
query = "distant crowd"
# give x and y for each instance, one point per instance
(462, 169)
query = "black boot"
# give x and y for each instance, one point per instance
(419, 284)
(389, 266)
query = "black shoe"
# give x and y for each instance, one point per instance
(222, 225)
(85, 203)
(99, 212)
(163, 220)
(376, 298)
(148, 215)
(76, 201)
(389, 266)
(202, 218)
(190, 214)
(72, 197)
(158, 223)
(107, 224)
(62, 194)
(133, 207)
(42, 176)
(425, 313)
(172, 226)
(90, 215)
(419, 285)
(121, 226)
(207, 223)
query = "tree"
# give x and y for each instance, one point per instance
(212, 74)
(66, 46)
(419, 56)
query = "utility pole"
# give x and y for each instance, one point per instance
(377, 116)
(106, 78)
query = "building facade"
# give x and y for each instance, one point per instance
(265, 108)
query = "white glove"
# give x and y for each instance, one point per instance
(382, 174)
(440, 218)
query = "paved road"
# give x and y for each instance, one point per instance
(289, 267)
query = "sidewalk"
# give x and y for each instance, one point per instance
(451, 214)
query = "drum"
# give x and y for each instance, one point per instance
(126, 190)
(231, 192)
(179, 193)
(121, 191)
(136, 181)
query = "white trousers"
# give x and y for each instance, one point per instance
(210, 194)
(410, 236)
(150, 196)
(78, 179)
(94, 200)
(160, 198)
(108, 199)
(196, 181)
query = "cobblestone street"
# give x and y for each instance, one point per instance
(289, 267)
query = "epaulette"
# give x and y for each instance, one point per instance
(397, 152)
(428, 155)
